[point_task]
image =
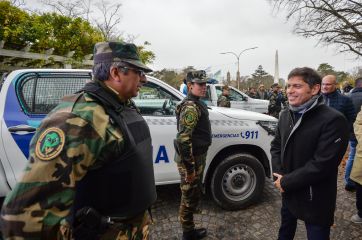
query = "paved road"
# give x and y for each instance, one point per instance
(260, 221)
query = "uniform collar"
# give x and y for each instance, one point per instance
(113, 92)
(192, 97)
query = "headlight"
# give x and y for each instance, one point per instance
(269, 126)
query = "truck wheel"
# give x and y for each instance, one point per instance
(237, 181)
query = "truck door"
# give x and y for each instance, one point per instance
(238, 100)
(157, 106)
(29, 97)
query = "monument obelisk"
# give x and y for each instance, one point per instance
(276, 74)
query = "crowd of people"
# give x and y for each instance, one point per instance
(275, 94)
(96, 181)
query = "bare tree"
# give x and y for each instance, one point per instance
(17, 3)
(105, 16)
(337, 22)
(73, 9)
(111, 17)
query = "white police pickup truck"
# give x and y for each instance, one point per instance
(238, 99)
(237, 162)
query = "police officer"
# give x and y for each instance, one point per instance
(192, 142)
(223, 100)
(90, 172)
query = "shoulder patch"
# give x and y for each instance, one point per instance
(190, 116)
(50, 144)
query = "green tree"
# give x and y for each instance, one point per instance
(107, 23)
(14, 24)
(260, 76)
(186, 70)
(45, 31)
(147, 56)
(259, 72)
(342, 76)
(326, 69)
(169, 76)
(62, 34)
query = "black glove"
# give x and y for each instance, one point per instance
(89, 224)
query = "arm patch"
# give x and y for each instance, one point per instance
(50, 144)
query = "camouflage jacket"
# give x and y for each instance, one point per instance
(75, 137)
(275, 102)
(189, 114)
(223, 101)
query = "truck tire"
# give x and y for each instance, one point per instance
(237, 181)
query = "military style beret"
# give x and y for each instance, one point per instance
(196, 76)
(118, 52)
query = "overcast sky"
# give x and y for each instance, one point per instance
(195, 32)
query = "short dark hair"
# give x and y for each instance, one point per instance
(358, 82)
(309, 75)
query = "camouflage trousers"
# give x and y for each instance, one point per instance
(137, 229)
(190, 193)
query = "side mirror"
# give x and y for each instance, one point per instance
(245, 99)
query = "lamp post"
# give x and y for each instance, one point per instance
(238, 57)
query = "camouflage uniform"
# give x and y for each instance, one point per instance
(189, 113)
(274, 106)
(223, 101)
(276, 101)
(284, 101)
(77, 136)
(38, 206)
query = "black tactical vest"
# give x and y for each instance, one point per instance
(125, 186)
(201, 136)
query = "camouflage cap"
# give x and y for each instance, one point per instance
(196, 76)
(118, 52)
(275, 85)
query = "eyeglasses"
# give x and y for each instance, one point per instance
(137, 71)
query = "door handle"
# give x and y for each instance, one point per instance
(22, 129)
